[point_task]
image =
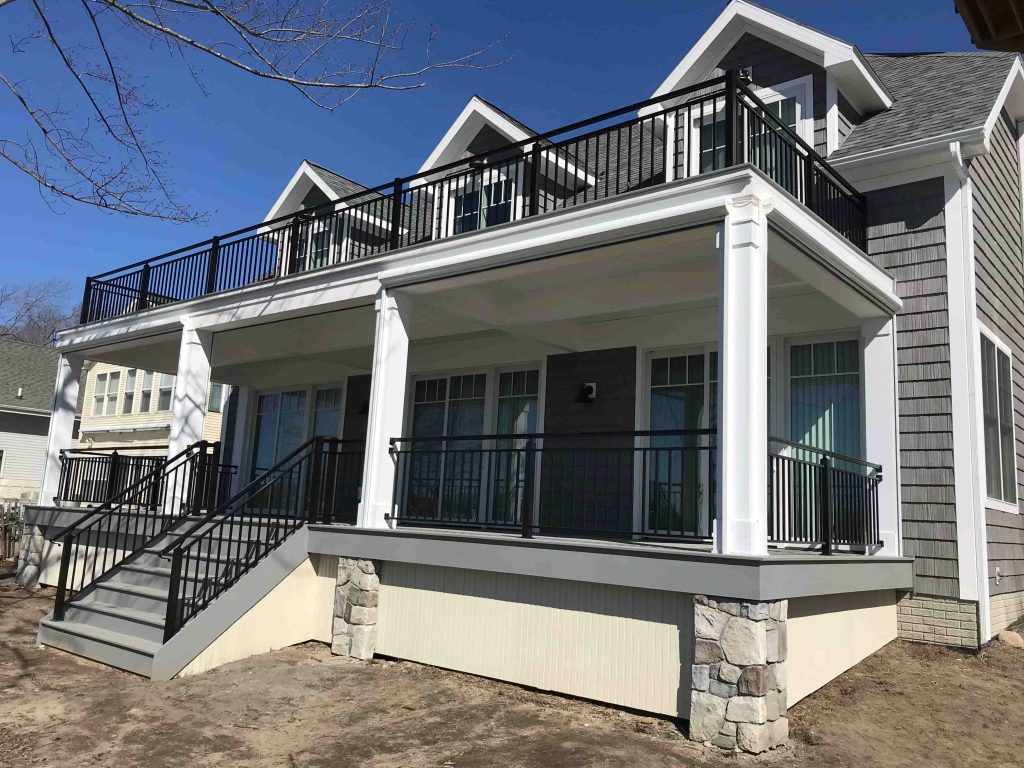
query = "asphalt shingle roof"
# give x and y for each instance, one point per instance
(343, 187)
(933, 94)
(33, 369)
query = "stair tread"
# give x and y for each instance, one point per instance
(135, 589)
(108, 636)
(147, 617)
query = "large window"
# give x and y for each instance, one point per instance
(478, 205)
(146, 401)
(129, 390)
(285, 420)
(997, 406)
(104, 400)
(216, 397)
(824, 386)
(166, 391)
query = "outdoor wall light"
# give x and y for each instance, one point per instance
(587, 393)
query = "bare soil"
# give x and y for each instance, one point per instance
(909, 705)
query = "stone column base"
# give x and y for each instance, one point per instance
(355, 608)
(738, 699)
(30, 557)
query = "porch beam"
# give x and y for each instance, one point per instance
(61, 431)
(191, 389)
(742, 515)
(388, 388)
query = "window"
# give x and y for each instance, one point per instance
(147, 392)
(824, 388)
(104, 400)
(997, 407)
(166, 390)
(327, 412)
(280, 427)
(129, 391)
(483, 205)
(216, 398)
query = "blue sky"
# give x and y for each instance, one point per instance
(234, 147)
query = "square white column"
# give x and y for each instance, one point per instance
(881, 425)
(62, 423)
(742, 525)
(387, 407)
(191, 389)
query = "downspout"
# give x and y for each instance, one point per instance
(973, 351)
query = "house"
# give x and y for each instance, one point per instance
(125, 428)
(687, 407)
(26, 377)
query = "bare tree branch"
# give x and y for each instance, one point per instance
(33, 313)
(89, 144)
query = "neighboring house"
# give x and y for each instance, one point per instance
(27, 372)
(131, 407)
(632, 410)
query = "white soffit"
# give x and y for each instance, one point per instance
(855, 79)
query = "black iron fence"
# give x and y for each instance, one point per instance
(91, 476)
(186, 484)
(649, 484)
(319, 482)
(705, 128)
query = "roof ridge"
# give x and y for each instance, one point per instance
(339, 175)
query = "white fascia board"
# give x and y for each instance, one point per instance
(861, 86)
(473, 117)
(970, 139)
(1011, 96)
(286, 198)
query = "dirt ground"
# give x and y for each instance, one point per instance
(908, 705)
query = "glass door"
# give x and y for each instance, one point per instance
(280, 427)
(518, 403)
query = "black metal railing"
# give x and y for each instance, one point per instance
(91, 475)
(186, 484)
(319, 482)
(821, 498)
(650, 484)
(693, 131)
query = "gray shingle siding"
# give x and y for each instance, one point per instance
(906, 235)
(770, 66)
(848, 117)
(30, 368)
(999, 280)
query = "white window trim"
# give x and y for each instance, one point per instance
(1000, 505)
(310, 389)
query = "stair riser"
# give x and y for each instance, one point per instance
(115, 624)
(105, 653)
(103, 594)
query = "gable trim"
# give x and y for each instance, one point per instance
(305, 171)
(1011, 98)
(482, 111)
(741, 17)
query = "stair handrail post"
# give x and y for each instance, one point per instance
(112, 468)
(396, 215)
(213, 480)
(171, 619)
(313, 487)
(527, 516)
(60, 599)
(825, 506)
(211, 265)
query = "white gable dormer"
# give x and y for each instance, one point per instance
(477, 123)
(306, 183)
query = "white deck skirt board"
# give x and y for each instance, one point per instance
(629, 647)
(829, 635)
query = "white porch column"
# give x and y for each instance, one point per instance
(62, 423)
(191, 389)
(881, 424)
(742, 374)
(387, 406)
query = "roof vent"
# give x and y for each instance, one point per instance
(20, 396)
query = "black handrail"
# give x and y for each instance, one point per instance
(398, 213)
(111, 532)
(317, 482)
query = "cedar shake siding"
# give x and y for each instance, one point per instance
(906, 235)
(771, 66)
(999, 278)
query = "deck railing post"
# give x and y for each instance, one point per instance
(535, 179)
(825, 506)
(527, 516)
(731, 104)
(112, 468)
(211, 265)
(293, 246)
(144, 287)
(83, 315)
(396, 215)
(315, 481)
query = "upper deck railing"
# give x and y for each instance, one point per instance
(715, 125)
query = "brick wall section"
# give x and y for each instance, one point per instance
(939, 620)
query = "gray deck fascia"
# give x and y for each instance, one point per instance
(641, 565)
